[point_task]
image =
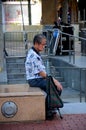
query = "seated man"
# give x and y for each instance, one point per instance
(35, 70)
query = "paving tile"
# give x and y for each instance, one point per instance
(69, 122)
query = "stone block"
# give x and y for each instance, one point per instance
(29, 103)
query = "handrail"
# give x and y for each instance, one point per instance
(70, 35)
(81, 38)
(52, 30)
(69, 50)
(26, 35)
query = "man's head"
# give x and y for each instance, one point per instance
(39, 42)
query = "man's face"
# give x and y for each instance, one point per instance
(40, 47)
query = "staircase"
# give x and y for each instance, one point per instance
(58, 76)
(15, 70)
(61, 80)
(52, 70)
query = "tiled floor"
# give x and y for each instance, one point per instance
(69, 122)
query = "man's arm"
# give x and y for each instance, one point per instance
(57, 83)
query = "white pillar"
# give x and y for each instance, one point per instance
(3, 77)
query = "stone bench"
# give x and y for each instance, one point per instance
(19, 102)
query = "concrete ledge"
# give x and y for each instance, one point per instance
(19, 90)
(30, 102)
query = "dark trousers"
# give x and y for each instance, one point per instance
(39, 82)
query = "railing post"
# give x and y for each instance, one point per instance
(80, 86)
(85, 84)
(25, 41)
(61, 44)
(69, 48)
(74, 50)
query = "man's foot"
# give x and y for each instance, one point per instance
(49, 115)
(54, 111)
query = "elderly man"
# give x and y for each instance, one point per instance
(35, 70)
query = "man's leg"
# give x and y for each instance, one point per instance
(39, 82)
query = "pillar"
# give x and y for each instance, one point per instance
(49, 11)
(3, 77)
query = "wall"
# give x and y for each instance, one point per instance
(15, 12)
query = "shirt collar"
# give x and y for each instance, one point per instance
(35, 50)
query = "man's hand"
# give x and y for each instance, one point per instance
(43, 74)
(58, 84)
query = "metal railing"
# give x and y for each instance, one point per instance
(72, 78)
(71, 49)
(75, 79)
(72, 52)
(17, 43)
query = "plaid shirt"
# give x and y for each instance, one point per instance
(33, 65)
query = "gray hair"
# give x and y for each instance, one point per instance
(38, 38)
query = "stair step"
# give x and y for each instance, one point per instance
(15, 65)
(16, 70)
(15, 75)
(55, 74)
(59, 78)
(15, 59)
(63, 84)
(11, 61)
(17, 81)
